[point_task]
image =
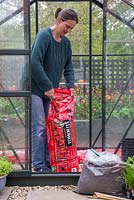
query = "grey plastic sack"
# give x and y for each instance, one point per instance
(101, 174)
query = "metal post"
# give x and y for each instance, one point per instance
(90, 73)
(26, 46)
(36, 16)
(103, 75)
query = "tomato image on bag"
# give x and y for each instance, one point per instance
(60, 132)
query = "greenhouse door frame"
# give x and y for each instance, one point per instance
(27, 178)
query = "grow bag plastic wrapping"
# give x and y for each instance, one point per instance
(60, 132)
(101, 173)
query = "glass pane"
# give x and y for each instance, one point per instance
(14, 73)
(124, 10)
(119, 75)
(96, 99)
(81, 67)
(14, 24)
(101, 1)
(14, 135)
(120, 37)
(97, 29)
(82, 114)
(119, 34)
(119, 97)
(82, 133)
(33, 22)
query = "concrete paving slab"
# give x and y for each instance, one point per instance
(4, 194)
(55, 195)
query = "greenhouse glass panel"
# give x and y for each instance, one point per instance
(14, 134)
(32, 22)
(97, 30)
(124, 9)
(119, 74)
(13, 73)
(14, 24)
(96, 99)
(15, 99)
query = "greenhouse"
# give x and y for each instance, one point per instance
(103, 57)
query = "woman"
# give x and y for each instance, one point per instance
(51, 56)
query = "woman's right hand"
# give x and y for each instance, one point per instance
(49, 93)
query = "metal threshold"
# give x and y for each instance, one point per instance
(27, 178)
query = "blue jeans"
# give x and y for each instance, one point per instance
(40, 155)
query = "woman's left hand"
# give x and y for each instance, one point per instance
(73, 93)
(49, 93)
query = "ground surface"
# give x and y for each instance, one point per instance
(40, 193)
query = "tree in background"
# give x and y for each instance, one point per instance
(80, 36)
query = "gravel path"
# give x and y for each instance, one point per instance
(20, 193)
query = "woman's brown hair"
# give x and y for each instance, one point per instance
(66, 14)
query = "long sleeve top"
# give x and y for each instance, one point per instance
(49, 59)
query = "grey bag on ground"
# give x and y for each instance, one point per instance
(100, 173)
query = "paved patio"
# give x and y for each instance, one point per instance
(27, 194)
(46, 195)
(55, 195)
(4, 194)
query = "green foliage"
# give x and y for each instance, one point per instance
(79, 36)
(12, 34)
(7, 111)
(124, 106)
(82, 102)
(5, 166)
(128, 174)
(123, 109)
(118, 31)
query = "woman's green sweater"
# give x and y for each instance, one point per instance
(49, 59)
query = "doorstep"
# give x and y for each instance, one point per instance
(55, 195)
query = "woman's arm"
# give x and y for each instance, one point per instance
(37, 67)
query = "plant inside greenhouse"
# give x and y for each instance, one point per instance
(123, 103)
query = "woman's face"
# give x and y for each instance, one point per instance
(65, 27)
